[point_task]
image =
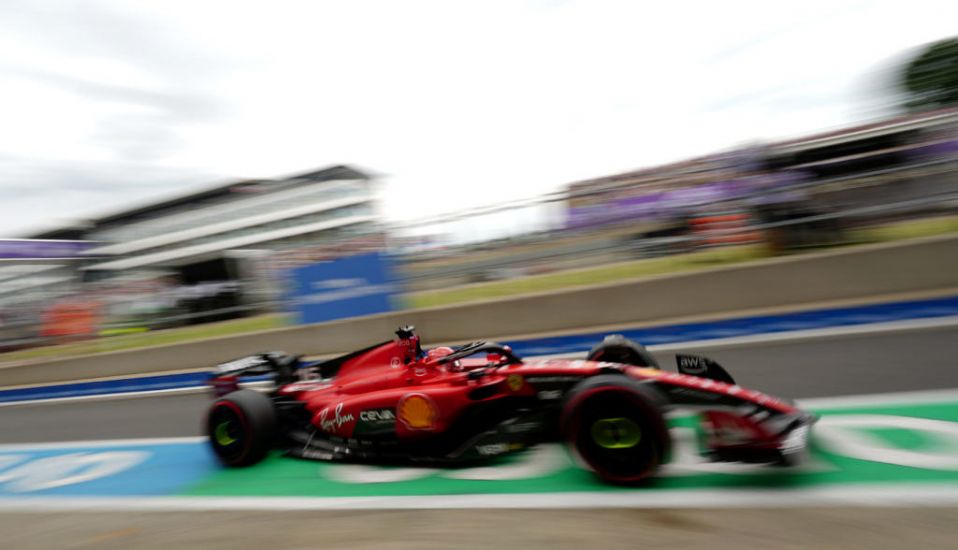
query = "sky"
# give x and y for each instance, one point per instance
(453, 104)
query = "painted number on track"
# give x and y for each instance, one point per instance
(19, 474)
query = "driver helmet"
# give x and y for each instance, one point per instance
(435, 354)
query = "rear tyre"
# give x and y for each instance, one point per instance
(241, 427)
(616, 427)
(619, 349)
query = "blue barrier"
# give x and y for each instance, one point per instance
(666, 334)
(348, 287)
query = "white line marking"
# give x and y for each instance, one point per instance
(127, 395)
(692, 345)
(106, 378)
(813, 334)
(105, 396)
(787, 336)
(923, 397)
(891, 495)
(139, 442)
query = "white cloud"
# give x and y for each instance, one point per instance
(457, 103)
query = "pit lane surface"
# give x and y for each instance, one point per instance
(574, 529)
(891, 361)
(836, 365)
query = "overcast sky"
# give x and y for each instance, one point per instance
(109, 103)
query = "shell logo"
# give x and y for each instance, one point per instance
(417, 412)
(514, 381)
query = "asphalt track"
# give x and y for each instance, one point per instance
(887, 361)
(573, 529)
(834, 365)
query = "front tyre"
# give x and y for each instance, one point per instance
(241, 427)
(616, 427)
(619, 349)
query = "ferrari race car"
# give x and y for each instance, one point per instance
(394, 403)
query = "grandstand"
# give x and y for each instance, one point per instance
(195, 257)
(857, 175)
(192, 234)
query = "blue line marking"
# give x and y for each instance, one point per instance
(122, 385)
(667, 334)
(747, 326)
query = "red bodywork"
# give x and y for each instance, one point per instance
(428, 397)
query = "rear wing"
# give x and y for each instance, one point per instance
(281, 366)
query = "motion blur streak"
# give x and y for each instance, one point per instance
(178, 180)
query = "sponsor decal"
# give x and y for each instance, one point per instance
(374, 422)
(549, 395)
(395, 362)
(553, 379)
(493, 449)
(522, 427)
(305, 386)
(417, 412)
(240, 364)
(514, 381)
(337, 421)
(378, 416)
(315, 455)
(691, 364)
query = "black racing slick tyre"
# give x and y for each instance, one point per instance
(241, 427)
(619, 349)
(616, 427)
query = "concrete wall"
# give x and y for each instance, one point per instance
(876, 270)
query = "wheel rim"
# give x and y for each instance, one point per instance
(225, 433)
(616, 433)
(227, 430)
(615, 438)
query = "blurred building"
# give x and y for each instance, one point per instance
(33, 274)
(801, 193)
(851, 161)
(214, 246)
(200, 256)
(194, 236)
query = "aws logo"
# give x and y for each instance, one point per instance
(691, 364)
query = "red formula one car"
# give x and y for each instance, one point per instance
(393, 402)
